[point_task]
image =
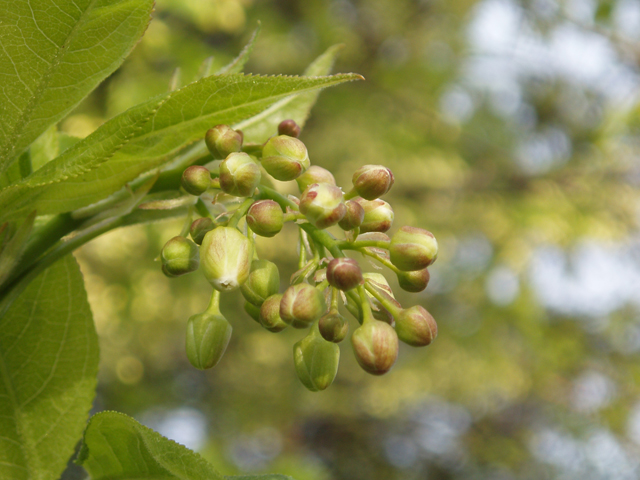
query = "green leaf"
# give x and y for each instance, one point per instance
(54, 53)
(117, 447)
(238, 63)
(48, 367)
(45, 148)
(259, 477)
(262, 126)
(134, 142)
(12, 253)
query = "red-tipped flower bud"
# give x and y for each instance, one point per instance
(239, 175)
(413, 248)
(222, 140)
(289, 127)
(378, 215)
(270, 314)
(315, 174)
(179, 256)
(322, 204)
(226, 258)
(415, 281)
(285, 158)
(199, 229)
(316, 361)
(196, 180)
(344, 273)
(301, 305)
(372, 181)
(265, 218)
(263, 281)
(375, 345)
(416, 327)
(207, 339)
(353, 217)
(333, 327)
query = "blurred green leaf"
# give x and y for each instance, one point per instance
(238, 63)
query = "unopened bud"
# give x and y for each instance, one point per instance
(179, 256)
(316, 361)
(333, 327)
(263, 281)
(252, 311)
(413, 248)
(285, 158)
(372, 181)
(222, 140)
(239, 175)
(207, 339)
(322, 204)
(375, 345)
(315, 174)
(378, 215)
(226, 258)
(270, 314)
(199, 229)
(353, 217)
(416, 327)
(301, 305)
(415, 281)
(196, 180)
(265, 218)
(344, 273)
(289, 127)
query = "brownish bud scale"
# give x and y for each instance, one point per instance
(353, 217)
(239, 175)
(413, 248)
(372, 181)
(270, 314)
(415, 281)
(416, 327)
(263, 281)
(289, 127)
(199, 229)
(344, 273)
(222, 140)
(378, 215)
(252, 311)
(315, 174)
(375, 345)
(226, 258)
(333, 327)
(285, 158)
(316, 361)
(196, 180)
(301, 305)
(179, 256)
(265, 218)
(322, 204)
(207, 339)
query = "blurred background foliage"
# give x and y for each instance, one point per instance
(512, 129)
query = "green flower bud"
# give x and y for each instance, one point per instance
(226, 258)
(196, 180)
(263, 281)
(239, 175)
(315, 174)
(207, 338)
(378, 215)
(415, 281)
(252, 311)
(353, 217)
(344, 273)
(265, 218)
(322, 204)
(333, 327)
(179, 256)
(416, 327)
(375, 345)
(316, 361)
(289, 127)
(199, 229)
(270, 314)
(301, 305)
(413, 248)
(372, 181)
(222, 140)
(285, 158)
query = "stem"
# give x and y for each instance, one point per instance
(202, 209)
(367, 316)
(240, 212)
(293, 216)
(358, 244)
(334, 298)
(322, 285)
(323, 238)
(214, 303)
(302, 254)
(393, 309)
(382, 260)
(350, 194)
(270, 193)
